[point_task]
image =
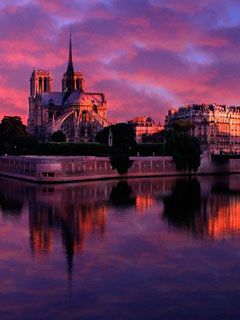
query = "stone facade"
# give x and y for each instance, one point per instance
(77, 113)
(217, 126)
(145, 126)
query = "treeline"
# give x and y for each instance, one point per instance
(116, 141)
(176, 142)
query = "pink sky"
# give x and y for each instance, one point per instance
(146, 55)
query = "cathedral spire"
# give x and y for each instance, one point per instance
(69, 75)
(70, 60)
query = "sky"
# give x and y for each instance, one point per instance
(146, 55)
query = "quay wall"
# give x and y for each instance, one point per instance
(66, 169)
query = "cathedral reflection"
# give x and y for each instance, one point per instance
(69, 210)
(203, 207)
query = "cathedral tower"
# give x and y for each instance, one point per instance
(40, 81)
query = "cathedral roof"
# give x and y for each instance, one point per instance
(78, 97)
(51, 98)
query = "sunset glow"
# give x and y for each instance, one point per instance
(146, 55)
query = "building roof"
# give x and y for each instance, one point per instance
(51, 98)
(78, 97)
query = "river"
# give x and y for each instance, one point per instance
(154, 248)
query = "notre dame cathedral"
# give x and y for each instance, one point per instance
(75, 112)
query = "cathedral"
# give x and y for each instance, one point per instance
(75, 112)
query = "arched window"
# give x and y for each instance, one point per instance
(40, 84)
(78, 84)
(45, 84)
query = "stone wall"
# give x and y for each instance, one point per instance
(60, 169)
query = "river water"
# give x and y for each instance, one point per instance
(154, 248)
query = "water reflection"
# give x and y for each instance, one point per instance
(212, 210)
(122, 195)
(224, 206)
(82, 228)
(11, 203)
(67, 211)
(183, 207)
(207, 209)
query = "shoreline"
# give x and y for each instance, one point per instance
(116, 177)
(67, 169)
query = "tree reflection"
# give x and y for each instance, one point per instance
(78, 212)
(184, 203)
(10, 207)
(11, 203)
(122, 195)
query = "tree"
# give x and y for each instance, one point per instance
(184, 149)
(14, 137)
(58, 136)
(123, 137)
(157, 137)
(182, 126)
(121, 163)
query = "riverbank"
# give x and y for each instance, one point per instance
(48, 169)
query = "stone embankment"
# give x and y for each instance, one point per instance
(67, 169)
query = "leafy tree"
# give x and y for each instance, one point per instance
(58, 136)
(184, 149)
(14, 137)
(123, 137)
(182, 126)
(121, 163)
(157, 137)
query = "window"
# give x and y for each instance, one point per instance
(48, 174)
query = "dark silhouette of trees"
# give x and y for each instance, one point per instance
(123, 135)
(183, 147)
(121, 163)
(58, 136)
(14, 138)
(182, 126)
(123, 144)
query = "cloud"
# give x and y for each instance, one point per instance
(147, 55)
